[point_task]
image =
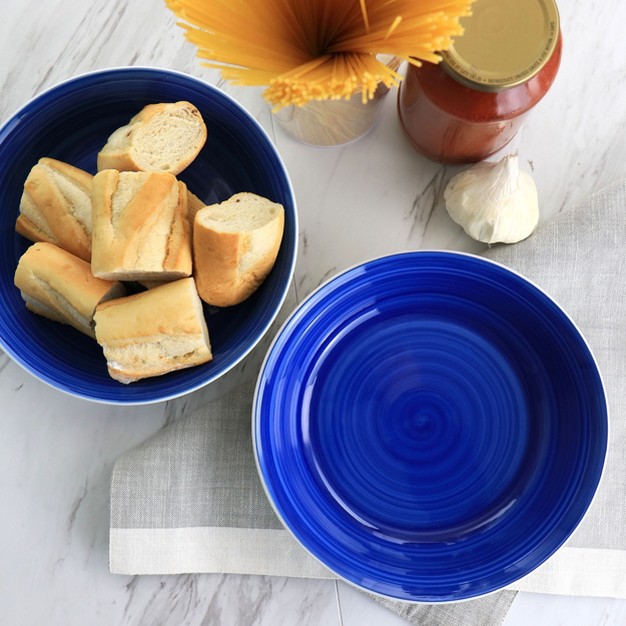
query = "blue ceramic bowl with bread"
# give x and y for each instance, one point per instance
(71, 122)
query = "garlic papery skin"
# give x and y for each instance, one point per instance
(494, 202)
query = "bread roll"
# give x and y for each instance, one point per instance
(235, 244)
(153, 332)
(163, 137)
(140, 226)
(61, 287)
(56, 207)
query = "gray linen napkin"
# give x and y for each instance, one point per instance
(190, 500)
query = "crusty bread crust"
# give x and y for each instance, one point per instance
(235, 245)
(140, 226)
(56, 207)
(60, 286)
(153, 332)
(161, 137)
(194, 204)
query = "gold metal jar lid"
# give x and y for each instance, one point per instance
(505, 43)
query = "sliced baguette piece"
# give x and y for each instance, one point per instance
(235, 245)
(61, 287)
(194, 204)
(140, 226)
(164, 137)
(153, 332)
(56, 206)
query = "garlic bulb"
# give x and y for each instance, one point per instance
(494, 202)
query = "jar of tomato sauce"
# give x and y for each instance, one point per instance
(472, 104)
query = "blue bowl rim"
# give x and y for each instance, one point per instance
(289, 189)
(327, 284)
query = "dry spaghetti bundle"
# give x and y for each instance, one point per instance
(304, 50)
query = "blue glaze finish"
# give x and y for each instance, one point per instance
(430, 426)
(71, 122)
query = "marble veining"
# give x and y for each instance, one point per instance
(373, 197)
(425, 204)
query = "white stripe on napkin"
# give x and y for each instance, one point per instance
(210, 549)
(579, 571)
(574, 571)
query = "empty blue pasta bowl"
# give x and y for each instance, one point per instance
(430, 426)
(71, 122)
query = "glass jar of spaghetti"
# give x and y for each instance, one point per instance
(330, 123)
(472, 104)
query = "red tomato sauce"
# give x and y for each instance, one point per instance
(450, 122)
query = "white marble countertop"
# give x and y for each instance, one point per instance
(374, 197)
